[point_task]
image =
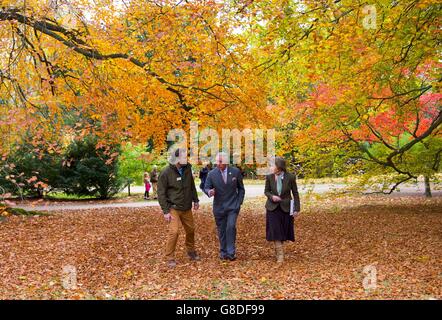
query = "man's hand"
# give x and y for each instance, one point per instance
(276, 199)
(211, 192)
(168, 217)
(196, 205)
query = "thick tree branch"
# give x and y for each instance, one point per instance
(394, 187)
(436, 122)
(70, 40)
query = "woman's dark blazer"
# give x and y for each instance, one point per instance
(288, 187)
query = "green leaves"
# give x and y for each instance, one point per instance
(92, 170)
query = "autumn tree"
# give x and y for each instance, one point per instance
(359, 84)
(122, 71)
(352, 86)
(142, 67)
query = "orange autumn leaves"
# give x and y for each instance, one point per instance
(336, 237)
(130, 72)
(139, 69)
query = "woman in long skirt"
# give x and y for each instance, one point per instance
(279, 188)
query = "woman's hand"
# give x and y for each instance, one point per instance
(276, 199)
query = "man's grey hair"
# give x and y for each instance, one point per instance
(224, 157)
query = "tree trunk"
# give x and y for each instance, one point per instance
(427, 187)
(128, 188)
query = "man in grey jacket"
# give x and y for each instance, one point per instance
(225, 184)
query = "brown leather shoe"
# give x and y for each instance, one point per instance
(194, 256)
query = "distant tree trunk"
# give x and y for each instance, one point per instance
(128, 189)
(427, 187)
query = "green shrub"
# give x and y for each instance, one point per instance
(30, 169)
(89, 170)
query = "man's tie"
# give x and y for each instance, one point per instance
(224, 176)
(279, 184)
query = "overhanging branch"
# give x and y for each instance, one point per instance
(71, 40)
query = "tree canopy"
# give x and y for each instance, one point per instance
(350, 83)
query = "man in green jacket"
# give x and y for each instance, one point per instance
(176, 193)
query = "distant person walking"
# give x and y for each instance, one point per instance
(154, 181)
(146, 186)
(225, 184)
(176, 192)
(281, 207)
(203, 174)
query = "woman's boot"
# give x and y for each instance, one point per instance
(279, 249)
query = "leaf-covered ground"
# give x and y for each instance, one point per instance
(118, 253)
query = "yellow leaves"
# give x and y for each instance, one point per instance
(423, 258)
(199, 55)
(185, 48)
(4, 212)
(129, 274)
(425, 3)
(96, 117)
